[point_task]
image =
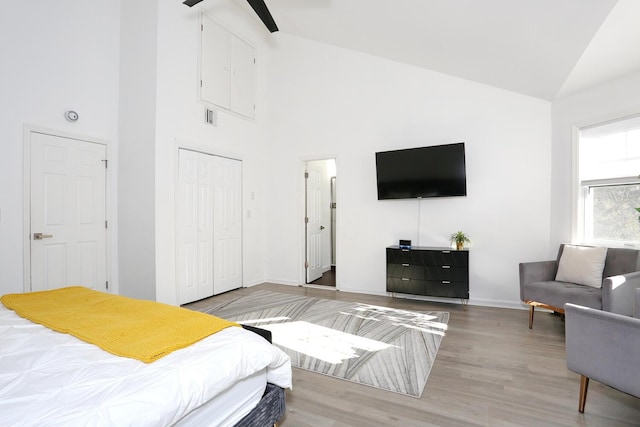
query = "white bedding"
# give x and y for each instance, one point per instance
(49, 378)
(230, 406)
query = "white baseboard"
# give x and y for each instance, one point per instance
(282, 282)
(517, 305)
(472, 301)
(252, 283)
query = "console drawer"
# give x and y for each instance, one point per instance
(439, 272)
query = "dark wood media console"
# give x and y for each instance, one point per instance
(438, 272)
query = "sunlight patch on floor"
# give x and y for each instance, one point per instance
(265, 320)
(322, 343)
(408, 319)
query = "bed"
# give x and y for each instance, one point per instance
(233, 377)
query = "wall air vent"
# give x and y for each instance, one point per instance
(211, 117)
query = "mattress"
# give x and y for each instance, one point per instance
(230, 405)
(49, 378)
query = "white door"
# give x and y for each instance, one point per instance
(227, 214)
(313, 218)
(215, 63)
(242, 77)
(209, 225)
(195, 230)
(67, 213)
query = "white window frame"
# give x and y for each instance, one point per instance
(584, 210)
(580, 189)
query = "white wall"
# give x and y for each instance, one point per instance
(67, 54)
(56, 56)
(180, 123)
(330, 102)
(136, 150)
(314, 101)
(611, 100)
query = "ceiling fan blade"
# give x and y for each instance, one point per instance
(263, 13)
(258, 6)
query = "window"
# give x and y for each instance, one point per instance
(609, 165)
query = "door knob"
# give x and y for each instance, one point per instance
(40, 236)
(322, 227)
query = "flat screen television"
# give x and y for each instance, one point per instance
(435, 171)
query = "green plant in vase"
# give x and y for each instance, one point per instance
(638, 210)
(460, 238)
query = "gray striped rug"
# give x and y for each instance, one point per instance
(376, 346)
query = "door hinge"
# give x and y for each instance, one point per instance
(306, 220)
(106, 163)
(306, 264)
(306, 175)
(106, 224)
(107, 283)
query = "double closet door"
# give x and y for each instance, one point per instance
(209, 225)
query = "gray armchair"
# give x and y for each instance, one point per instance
(621, 276)
(605, 347)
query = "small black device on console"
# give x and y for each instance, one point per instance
(405, 244)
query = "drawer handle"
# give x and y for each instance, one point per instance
(405, 265)
(446, 282)
(404, 250)
(446, 252)
(405, 279)
(446, 266)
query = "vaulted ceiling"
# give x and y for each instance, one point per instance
(541, 48)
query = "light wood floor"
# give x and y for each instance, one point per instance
(491, 370)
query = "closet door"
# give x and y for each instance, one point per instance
(209, 232)
(227, 214)
(195, 226)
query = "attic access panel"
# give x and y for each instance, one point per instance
(227, 70)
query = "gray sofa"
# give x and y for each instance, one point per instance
(605, 347)
(621, 276)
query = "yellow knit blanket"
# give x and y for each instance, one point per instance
(143, 330)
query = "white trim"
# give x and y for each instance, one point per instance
(26, 216)
(576, 197)
(518, 305)
(610, 181)
(577, 202)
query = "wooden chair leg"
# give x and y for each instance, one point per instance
(531, 308)
(584, 385)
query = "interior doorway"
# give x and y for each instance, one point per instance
(66, 219)
(320, 222)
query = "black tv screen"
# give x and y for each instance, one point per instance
(435, 171)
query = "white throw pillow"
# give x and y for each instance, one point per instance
(582, 265)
